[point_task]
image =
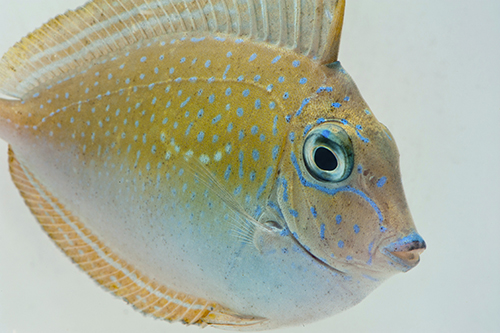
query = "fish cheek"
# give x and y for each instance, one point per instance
(339, 229)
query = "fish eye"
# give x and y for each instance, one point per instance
(328, 153)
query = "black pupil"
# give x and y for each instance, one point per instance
(325, 159)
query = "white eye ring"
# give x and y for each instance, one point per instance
(328, 153)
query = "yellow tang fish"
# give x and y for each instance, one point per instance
(209, 161)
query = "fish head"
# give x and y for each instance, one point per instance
(340, 186)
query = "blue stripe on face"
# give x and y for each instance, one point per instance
(333, 191)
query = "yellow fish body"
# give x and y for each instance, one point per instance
(207, 161)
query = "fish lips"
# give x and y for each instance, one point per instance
(405, 252)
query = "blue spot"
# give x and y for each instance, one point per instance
(183, 59)
(303, 80)
(240, 78)
(255, 155)
(276, 150)
(356, 228)
(275, 60)
(381, 182)
(347, 99)
(320, 120)
(153, 101)
(200, 113)
(246, 92)
(162, 57)
(322, 231)
(239, 41)
(296, 63)
(193, 79)
(211, 99)
(196, 40)
(326, 133)
(229, 54)
(336, 105)
(269, 172)
(306, 129)
(359, 128)
(262, 137)
(143, 59)
(230, 127)
(275, 122)
(237, 190)
(241, 135)
(227, 173)
(383, 229)
(304, 103)
(367, 112)
(343, 121)
(321, 89)
(200, 136)
(340, 244)
(285, 232)
(225, 72)
(252, 57)
(239, 112)
(285, 95)
(285, 189)
(110, 76)
(291, 136)
(272, 105)
(216, 119)
(207, 64)
(252, 175)
(142, 76)
(338, 219)
(281, 79)
(256, 78)
(313, 212)
(348, 258)
(228, 91)
(171, 70)
(254, 129)
(215, 138)
(288, 118)
(294, 214)
(360, 168)
(257, 104)
(220, 39)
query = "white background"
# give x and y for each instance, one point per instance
(430, 70)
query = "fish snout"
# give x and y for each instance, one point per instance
(406, 251)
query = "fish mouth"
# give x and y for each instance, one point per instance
(405, 252)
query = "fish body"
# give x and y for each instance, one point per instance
(204, 176)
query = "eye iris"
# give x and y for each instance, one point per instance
(325, 159)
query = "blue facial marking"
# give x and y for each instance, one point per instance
(313, 212)
(275, 60)
(294, 214)
(381, 182)
(356, 228)
(338, 219)
(340, 244)
(304, 103)
(358, 129)
(336, 105)
(306, 129)
(322, 89)
(320, 120)
(370, 248)
(322, 231)
(360, 168)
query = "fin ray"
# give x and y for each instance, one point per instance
(310, 27)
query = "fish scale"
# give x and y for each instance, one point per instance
(207, 162)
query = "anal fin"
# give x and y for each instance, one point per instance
(111, 272)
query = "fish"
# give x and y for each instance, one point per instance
(207, 161)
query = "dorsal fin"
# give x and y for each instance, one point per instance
(309, 27)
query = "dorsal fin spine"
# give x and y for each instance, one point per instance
(103, 26)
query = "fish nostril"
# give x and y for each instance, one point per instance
(409, 256)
